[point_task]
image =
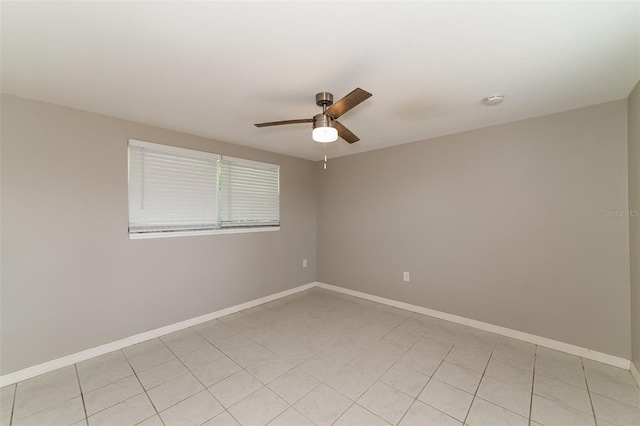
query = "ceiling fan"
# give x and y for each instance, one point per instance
(326, 128)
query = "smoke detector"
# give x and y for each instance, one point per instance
(493, 100)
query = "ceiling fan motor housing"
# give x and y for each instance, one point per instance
(321, 120)
(324, 98)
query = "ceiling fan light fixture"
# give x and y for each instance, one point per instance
(324, 134)
(323, 130)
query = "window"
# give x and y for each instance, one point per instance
(175, 191)
(249, 193)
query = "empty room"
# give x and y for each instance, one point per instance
(294, 213)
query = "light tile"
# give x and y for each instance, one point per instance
(222, 419)
(563, 393)
(358, 416)
(293, 385)
(514, 359)
(619, 387)
(446, 398)
(146, 355)
(373, 366)
(350, 382)
(214, 330)
(483, 413)
(259, 408)
(6, 403)
(45, 391)
(66, 413)
(444, 334)
(421, 414)
(403, 337)
(615, 374)
(473, 360)
(215, 371)
(142, 348)
(272, 339)
(505, 395)
(418, 323)
(459, 377)
(102, 370)
(174, 391)
(386, 349)
(507, 373)
(515, 353)
(200, 357)
(274, 305)
(404, 379)
(614, 411)
(433, 348)
(386, 402)
(269, 369)
(321, 366)
(112, 394)
(344, 350)
(550, 413)
(560, 366)
(184, 341)
(243, 350)
(234, 388)
(127, 413)
(291, 417)
(323, 405)
(151, 421)
(420, 362)
(297, 352)
(162, 373)
(194, 410)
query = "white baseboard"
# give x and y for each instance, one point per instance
(635, 373)
(45, 367)
(531, 338)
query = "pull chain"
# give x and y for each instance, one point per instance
(324, 149)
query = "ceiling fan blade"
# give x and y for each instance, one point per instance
(279, 123)
(345, 133)
(348, 102)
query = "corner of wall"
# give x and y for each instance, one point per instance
(633, 146)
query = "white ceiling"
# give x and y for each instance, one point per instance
(215, 68)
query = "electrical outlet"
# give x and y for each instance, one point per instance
(304, 263)
(405, 276)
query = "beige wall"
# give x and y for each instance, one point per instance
(505, 225)
(634, 221)
(71, 278)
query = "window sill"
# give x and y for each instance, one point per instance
(147, 235)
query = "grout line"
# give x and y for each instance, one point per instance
(584, 372)
(84, 407)
(533, 382)
(193, 375)
(135, 373)
(493, 348)
(13, 403)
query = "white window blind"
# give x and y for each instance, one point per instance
(171, 189)
(249, 193)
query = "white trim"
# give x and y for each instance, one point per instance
(635, 373)
(531, 338)
(45, 367)
(147, 235)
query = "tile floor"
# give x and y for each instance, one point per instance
(322, 358)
